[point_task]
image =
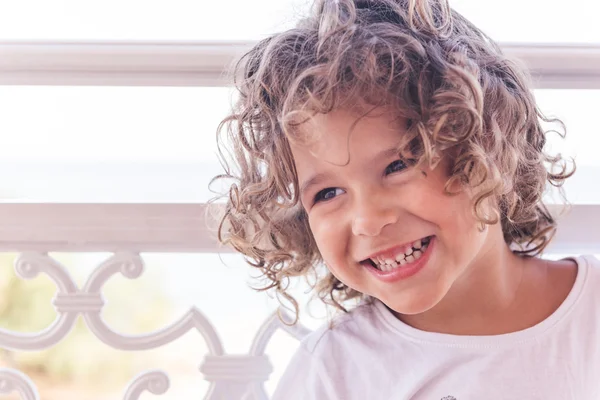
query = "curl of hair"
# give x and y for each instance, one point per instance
(427, 63)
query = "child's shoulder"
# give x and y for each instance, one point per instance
(589, 266)
(345, 330)
(592, 262)
(585, 294)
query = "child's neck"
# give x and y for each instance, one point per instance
(499, 293)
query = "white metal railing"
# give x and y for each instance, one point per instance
(151, 63)
(36, 229)
(184, 228)
(231, 376)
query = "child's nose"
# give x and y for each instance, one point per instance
(371, 214)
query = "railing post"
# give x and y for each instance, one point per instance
(234, 376)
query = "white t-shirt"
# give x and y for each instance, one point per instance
(371, 355)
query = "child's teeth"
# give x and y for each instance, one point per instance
(410, 254)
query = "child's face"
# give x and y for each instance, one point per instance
(362, 200)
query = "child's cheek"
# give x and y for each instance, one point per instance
(324, 231)
(331, 240)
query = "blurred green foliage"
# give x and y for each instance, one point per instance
(132, 307)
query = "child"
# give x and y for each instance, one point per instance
(390, 149)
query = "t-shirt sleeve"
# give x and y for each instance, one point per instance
(305, 378)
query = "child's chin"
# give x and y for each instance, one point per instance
(412, 306)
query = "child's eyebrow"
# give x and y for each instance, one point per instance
(318, 178)
(388, 153)
(313, 181)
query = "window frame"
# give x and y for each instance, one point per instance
(203, 63)
(182, 227)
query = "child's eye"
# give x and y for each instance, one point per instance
(396, 166)
(327, 194)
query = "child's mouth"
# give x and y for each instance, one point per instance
(402, 257)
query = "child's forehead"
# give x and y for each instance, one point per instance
(342, 133)
(340, 123)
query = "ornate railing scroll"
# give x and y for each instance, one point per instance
(256, 390)
(230, 376)
(15, 381)
(155, 382)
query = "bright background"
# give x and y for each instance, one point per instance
(505, 20)
(157, 144)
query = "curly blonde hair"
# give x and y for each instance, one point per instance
(422, 60)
